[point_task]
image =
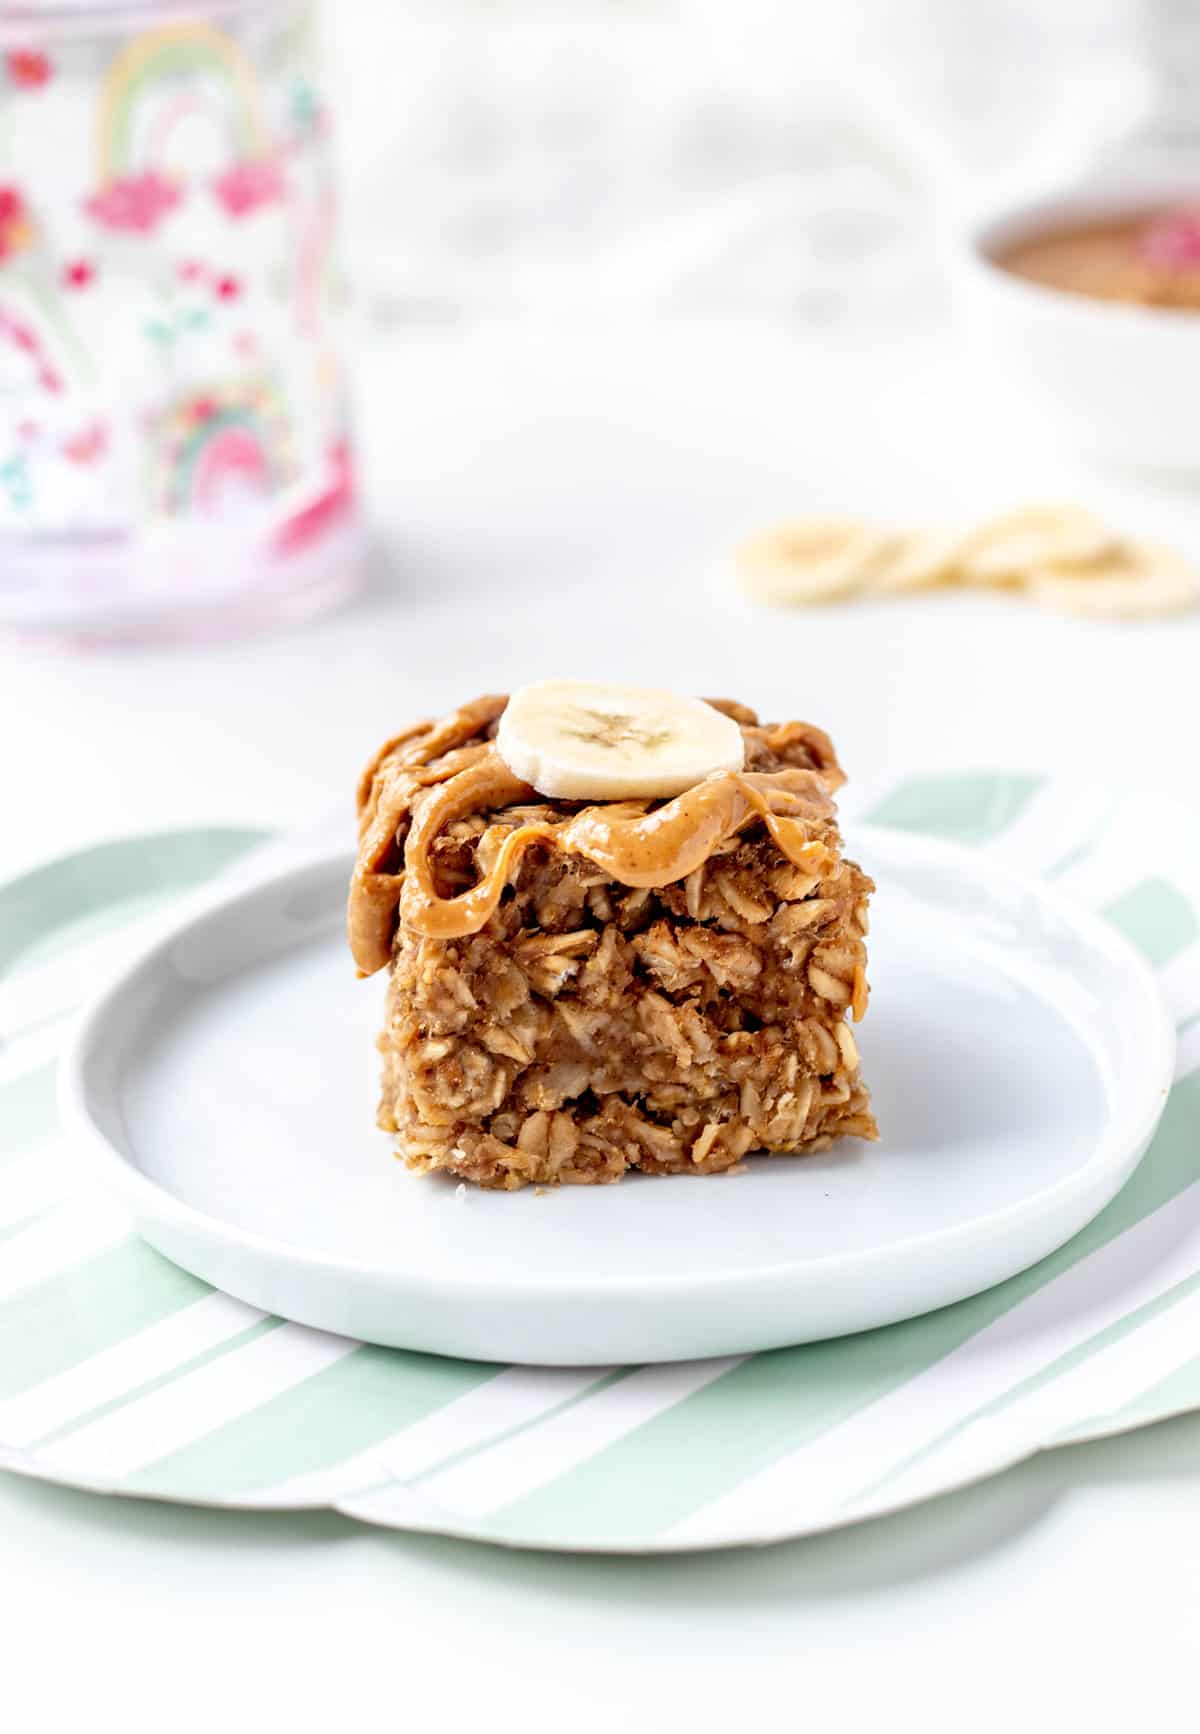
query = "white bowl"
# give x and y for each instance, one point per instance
(1116, 380)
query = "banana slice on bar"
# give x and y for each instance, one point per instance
(582, 740)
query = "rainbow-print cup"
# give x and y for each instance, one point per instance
(175, 453)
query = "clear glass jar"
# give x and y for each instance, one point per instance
(175, 452)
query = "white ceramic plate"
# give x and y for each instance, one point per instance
(1016, 1046)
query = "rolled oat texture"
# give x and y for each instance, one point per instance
(588, 1028)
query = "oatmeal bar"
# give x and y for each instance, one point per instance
(581, 989)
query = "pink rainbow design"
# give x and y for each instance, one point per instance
(158, 136)
(223, 437)
(233, 453)
(145, 69)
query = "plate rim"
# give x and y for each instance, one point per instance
(1120, 1146)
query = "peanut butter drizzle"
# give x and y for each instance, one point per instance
(635, 847)
(386, 792)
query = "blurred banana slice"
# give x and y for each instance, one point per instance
(1061, 555)
(1007, 548)
(1147, 580)
(582, 740)
(814, 560)
(921, 560)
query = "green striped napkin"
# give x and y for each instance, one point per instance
(121, 1373)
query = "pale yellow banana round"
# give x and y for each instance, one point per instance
(1059, 555)
(585, 740)
(1149, 580)
(811, 561)
(919, 560)
(1007, 548)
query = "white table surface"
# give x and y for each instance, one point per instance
(559, 502)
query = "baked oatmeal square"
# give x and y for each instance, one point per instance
(581, 988)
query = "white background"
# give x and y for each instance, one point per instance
(553, 485)
(546, 504)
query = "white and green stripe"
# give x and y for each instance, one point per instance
(118, 1370)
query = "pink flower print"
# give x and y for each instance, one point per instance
(245, 186)
(228, 288)
(138, 203)
(24, 338)
(78, 273)
(28, 69)
(191, 271)
(86, 447)
(15, 229)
